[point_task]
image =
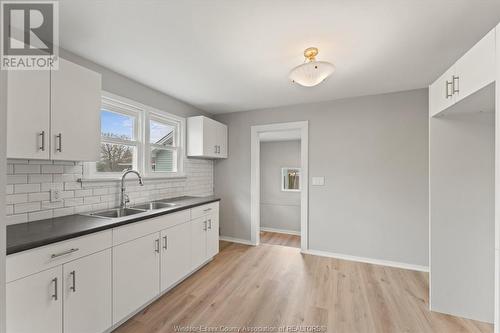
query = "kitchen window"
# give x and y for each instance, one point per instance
(135, 136)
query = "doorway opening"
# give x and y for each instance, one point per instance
(279, 184)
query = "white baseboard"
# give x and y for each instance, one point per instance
(368, 260)
(281, 231)
(235, 240)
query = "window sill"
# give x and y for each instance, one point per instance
(118, 179)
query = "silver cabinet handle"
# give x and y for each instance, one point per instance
(42, 146)
(73, 276)
(204, 225)
(54, 295)
(157, 245)
(218, 149)
(448, 85)
(215, 149)
(456, 88)
(207, 210)
(59, 142)
(210, 224)
(55, 255)
(165, 243)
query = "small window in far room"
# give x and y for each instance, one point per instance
(290, 179)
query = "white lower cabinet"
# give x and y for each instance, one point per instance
(136, 274)
(87, 293)
(34, 303)
(212, 235)
(205, 237)
(92, 283)
(198, 241)
(175, 254)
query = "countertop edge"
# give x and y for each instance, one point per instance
(35, 244)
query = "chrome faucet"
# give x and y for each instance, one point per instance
(124, 199)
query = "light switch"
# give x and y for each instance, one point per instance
(318, 181)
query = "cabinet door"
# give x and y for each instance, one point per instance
(476, 69)
(212, 234)
(136, 275)
(28, 103)
(209, 137)
(87, 293)
(175, 254)
(441, 93)
(198, 241)
(34, 303)
(75, 113)
(222, 140)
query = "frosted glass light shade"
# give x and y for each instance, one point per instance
(311, 73)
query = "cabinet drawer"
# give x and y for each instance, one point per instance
(204, 210)
(36, 260)
(149, 226)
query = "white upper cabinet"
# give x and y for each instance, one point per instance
(472, 72)
(476, 69)
(75, 116)
(54, 114)
(28, 119)
(206, 138)
(441, 93)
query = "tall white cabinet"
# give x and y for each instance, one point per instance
(462, 193)
(54, 114)
(206, 138)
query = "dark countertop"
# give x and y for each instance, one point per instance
(26, 236)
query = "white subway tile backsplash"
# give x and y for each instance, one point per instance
(17, 179)
(39, 196)
(52, 168)
(38, 178)
(30, 200)
(26, 207)
(52, 205)
(15, 219)
(83, 193)
(41, 215)
(63, 211)
(26, 188)
(26, 168)
(16, 198)
(100, 191)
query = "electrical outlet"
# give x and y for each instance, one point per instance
(55, 196)
(318, 181)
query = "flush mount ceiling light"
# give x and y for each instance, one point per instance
(311, 72)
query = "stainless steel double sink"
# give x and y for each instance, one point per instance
(135, 209)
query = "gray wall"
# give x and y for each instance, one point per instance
(123, 86)
(278, 209)
(462, 215)
(373, 152)
(3, 172)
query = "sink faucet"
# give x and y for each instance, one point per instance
(124, 197)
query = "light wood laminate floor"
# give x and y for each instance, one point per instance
(275, 238)
(272, 285)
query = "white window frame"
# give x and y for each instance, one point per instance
(143, 114)
(177, 122)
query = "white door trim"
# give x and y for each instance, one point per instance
(303, 126)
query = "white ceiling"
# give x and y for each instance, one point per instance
(235, 55)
